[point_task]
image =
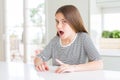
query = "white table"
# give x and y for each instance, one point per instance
(20, 71)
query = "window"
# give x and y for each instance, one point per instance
(25, 29)
(110, 28)
(111, 18)
(104, 17)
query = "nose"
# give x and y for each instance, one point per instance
(59, 25)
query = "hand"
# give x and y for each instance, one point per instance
(40, 65)
(64, 67)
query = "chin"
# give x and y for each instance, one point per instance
(63, 37)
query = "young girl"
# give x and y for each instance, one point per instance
(71, 49)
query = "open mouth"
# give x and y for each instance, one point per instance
(61, 32)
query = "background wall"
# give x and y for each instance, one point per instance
(2, 55)
(82, 5)
(51, 7)
(95, 22)
(111, 60)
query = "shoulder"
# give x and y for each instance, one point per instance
(83, 35)
(54, 40)
(83, 38)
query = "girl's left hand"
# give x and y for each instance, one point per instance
(63, 68)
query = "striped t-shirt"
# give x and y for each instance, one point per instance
(79, 52)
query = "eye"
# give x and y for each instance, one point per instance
(64, 21)
(57, 22)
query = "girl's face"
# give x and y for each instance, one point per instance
(63, 28)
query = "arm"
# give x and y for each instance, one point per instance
(94, 65)
(40, 65)
(94, 59)
(45, 55)
(41, 58)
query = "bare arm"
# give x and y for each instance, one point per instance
(94, 65)
(40, 65)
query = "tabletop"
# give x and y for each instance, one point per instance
(21, 71)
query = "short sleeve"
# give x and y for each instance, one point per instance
(46, 54)
(90, 49)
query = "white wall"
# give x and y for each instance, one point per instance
(2, 55)
(53, 5)
(95, 22)
(108, 3)
(110, 62)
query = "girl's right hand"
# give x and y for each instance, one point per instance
(40, 65)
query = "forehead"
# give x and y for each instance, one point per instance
(59, 16)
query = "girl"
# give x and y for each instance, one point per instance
(71, 49)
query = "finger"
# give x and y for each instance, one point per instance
(60, 62)
(46, 66)
(37, 68)
(60, 70)
(42, 67)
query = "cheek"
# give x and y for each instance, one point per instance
(69, 29)
(56, 27)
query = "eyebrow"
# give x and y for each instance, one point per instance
(60, 20)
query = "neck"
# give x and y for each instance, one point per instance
(68, 40)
